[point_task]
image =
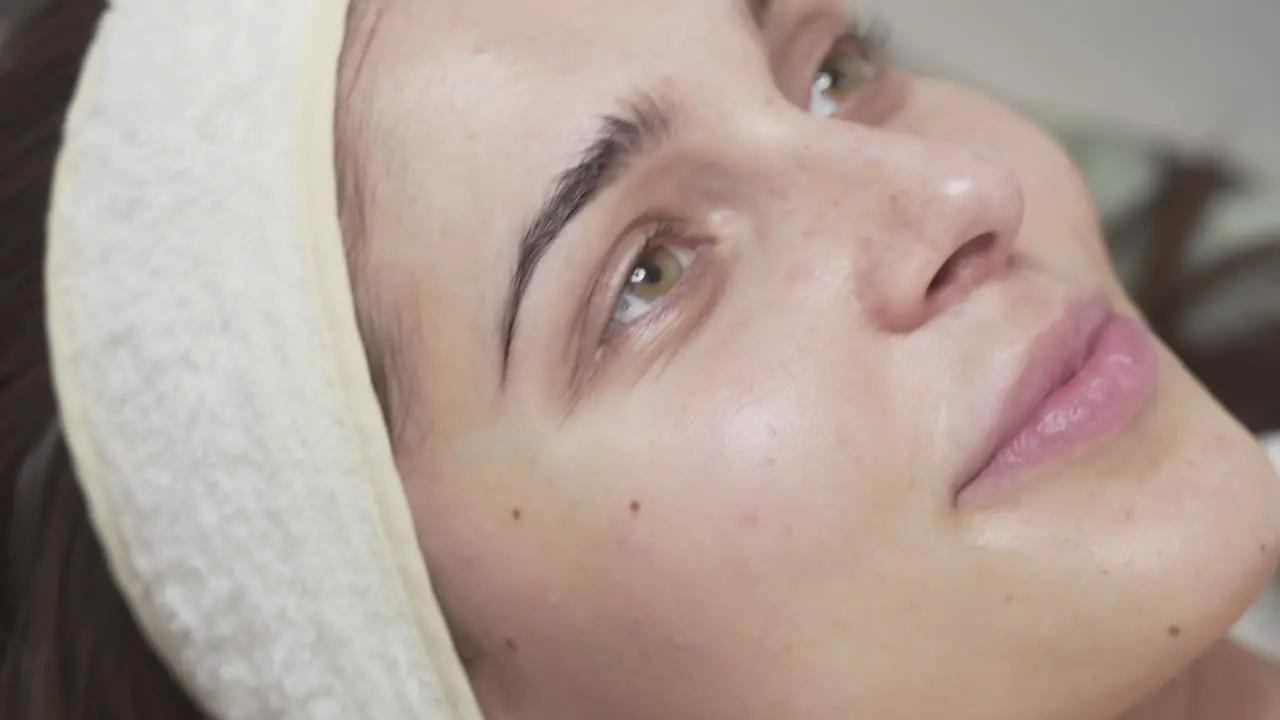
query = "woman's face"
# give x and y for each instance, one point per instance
(703, 320)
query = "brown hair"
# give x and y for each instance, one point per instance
(71, 649)
(69, 646)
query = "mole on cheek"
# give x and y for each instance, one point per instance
(635, 507)
(511, 645)
(1174, 631)
(516, 514)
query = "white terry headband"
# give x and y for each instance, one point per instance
(210, 375)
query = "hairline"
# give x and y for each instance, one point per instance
(382, 326)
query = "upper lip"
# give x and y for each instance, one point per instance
(1052, 359)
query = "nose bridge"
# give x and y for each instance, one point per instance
(934, 220)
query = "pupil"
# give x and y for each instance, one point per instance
(646, 275)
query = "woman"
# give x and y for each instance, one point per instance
(794, 388)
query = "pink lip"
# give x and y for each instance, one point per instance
(1085, 379)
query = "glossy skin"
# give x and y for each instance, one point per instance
(743, 505)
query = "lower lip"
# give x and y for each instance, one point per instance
(1112, 387)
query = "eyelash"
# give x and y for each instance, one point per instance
(868, 40)
(870, 36)
(663, 231)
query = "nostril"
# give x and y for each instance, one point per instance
(963, 263)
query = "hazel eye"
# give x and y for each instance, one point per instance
(655, 272)
(847, 70)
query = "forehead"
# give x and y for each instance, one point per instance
(492, 76)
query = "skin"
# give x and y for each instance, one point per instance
(744, 507)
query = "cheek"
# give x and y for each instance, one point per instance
(779, 439)
(759, 450)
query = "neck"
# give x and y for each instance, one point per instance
(1227, 682)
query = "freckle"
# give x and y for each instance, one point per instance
(516, 514)
(511, 645)
(1174, 631)
(635, 507)
(1128, 514)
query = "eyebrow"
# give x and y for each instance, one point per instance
(639, 128)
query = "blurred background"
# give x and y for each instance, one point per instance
(1172, 110)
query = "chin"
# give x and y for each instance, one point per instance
(1217, 491)
(1146, 550)
(1203, 538)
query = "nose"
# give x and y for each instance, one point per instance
(946, 225)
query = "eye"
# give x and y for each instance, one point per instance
(655, 272)
(852, 65)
